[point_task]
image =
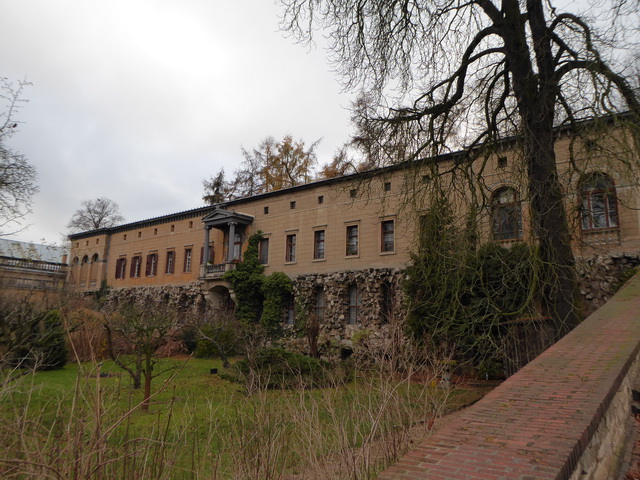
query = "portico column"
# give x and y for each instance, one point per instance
(232, 236)
(205, 250)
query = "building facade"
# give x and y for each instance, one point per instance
(345, 241)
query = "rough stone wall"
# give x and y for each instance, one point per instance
(600, 277)
(605, 452)
(336, 336)
(188, 299)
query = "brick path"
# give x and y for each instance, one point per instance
(537, 423)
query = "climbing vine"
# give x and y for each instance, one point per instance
(260, 299)
(461, 297)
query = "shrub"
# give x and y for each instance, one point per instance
(31, 336)
(51, 345)
(224, 338)
(279, 368)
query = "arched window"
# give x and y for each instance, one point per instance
(506, 215)
(599, 206)
(93, 270)
(354, 304)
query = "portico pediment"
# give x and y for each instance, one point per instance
(221, 218)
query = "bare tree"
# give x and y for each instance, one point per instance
(17, 176)
(95, 214)
(134, 334)
(498, 68)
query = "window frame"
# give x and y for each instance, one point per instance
(121, 268)
(504, 213)
(188, 260)
(355, 304)
(384, 242)
(170, 263)
(263, 253)
(136, 266)
(320, 305)
(608, 197)
(319, 244)
(151, 267)
(290, 248)
(352, 240)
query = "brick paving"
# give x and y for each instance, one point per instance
(537, 424)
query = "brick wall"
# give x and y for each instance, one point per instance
(561, 417)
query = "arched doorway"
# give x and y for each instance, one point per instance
(219, 298)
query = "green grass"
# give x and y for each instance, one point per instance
(198, 425)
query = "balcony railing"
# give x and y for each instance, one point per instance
(605, 236)
(215, 270)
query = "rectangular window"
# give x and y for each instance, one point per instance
(354, 304)
(155, 231)
(292, 205)
(387, 231)
(187, 260)
(318, 244)
(387, 186)
(320, 306)
(121, 268)
(291, 310)
(352, 240)
(191, 224)
(139, 234)
(171, 258)
(320, 199)
(151, 269)
(290, 254)
(263, 251)
(211, 253)
(173, 228)
(353, 193)
(266, 210)
(136, 263)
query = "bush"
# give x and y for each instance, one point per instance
(51, 345)
(30, 336)
(225, 338)
(279, 368)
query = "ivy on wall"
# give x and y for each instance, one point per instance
(463, 298)
(260, 299)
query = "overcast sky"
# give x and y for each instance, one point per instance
(139, 100)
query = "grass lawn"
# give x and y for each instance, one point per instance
(76, 423)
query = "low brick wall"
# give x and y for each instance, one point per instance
(561, 417)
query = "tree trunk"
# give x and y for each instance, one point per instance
(559, 281)
(148, 372)
(536, 94)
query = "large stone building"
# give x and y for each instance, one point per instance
(345, 241)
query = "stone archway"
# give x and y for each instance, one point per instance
(220, 298)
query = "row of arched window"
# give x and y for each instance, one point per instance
(85, 271)
(598, 208)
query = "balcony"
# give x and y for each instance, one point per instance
(215, 270)
(603, 236)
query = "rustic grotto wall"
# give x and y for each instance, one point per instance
(599, 278)
(373, 330)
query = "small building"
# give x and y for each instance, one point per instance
(28, 268)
